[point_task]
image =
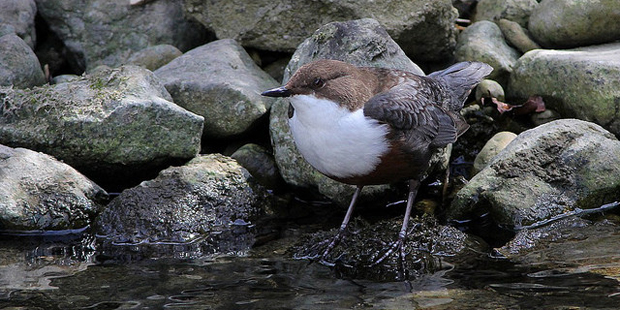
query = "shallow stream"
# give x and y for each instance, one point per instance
(68, 272)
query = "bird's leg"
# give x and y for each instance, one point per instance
(343, 227)
(398, 245)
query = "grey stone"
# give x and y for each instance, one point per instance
(38, 192)
(546, 171)
(426, 31)
(220, 82)
(518, 36)
(205, 197)
(20, 14)
(19, 65)
(117, 120)
(260, 163)
(360, 42)
(495, 145)
(154, 57)
(108, 32)
(64, 78)
(573, 23)
(518, 11)
(489, 89)
(483, 41)
(566, 80)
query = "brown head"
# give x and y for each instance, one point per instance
(330, 79)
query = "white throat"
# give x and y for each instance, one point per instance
(334, 140)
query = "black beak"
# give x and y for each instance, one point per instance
(277, 92)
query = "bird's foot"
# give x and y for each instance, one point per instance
(320, 252)
(396, 247)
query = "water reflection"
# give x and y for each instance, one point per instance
(71, 272)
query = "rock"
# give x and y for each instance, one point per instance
(544, 172)
(495, 145)
(64, 78)
(356, 42)
(518, 11)
(425, 32)
(115, 123)
(566, 239)
(154, 57)
(20, 14)
(579, 70)
(260, 163)
(518, 36)
(483, 41)
(19, 65)
(544, 117)
(206, 197)
(37, 192)
(573, 23)
(361, 42)
(222, 83)
(426, 242)
(108, 32)
(489, 89)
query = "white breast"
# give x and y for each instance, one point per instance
(335, 141)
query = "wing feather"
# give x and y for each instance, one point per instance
(410, 109)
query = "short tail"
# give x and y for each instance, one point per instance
(459, 79)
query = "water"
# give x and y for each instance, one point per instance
(69, 272)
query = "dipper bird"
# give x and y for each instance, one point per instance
(369, 126)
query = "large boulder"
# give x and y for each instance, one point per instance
(544, 172)
(360, 42)
(581, 83)
(19, 65)
(38, 192)
(108, 32)
(483, 41)
(20, 14)
(426, 31)
(572, 23)
(114, 123)
(220, 82)
(206, 197)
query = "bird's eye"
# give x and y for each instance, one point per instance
(318, 82)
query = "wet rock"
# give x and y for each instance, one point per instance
(19, 65)
(518, 36)
(426, 245)
(572, 23)
(39, 192)
(220, 82)
(515, 10)
(572, 245)
(207, 197)
(545, 171)
(154, 57)
(20, 14)
(260, 163)
(497, 143)
(489, 89)
(361, 42)
(108, 32)
(426, 32)
(579, 70)
(483, 41)
(114, 123)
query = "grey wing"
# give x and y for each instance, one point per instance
(410, 110)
